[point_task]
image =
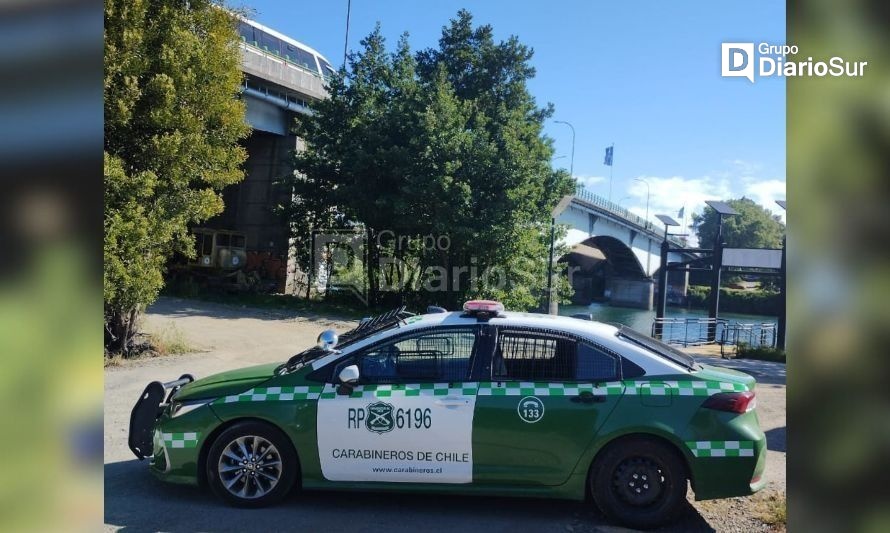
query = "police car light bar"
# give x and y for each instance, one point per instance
(483, 307)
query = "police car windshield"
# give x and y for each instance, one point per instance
(365, 329)
(657, 347)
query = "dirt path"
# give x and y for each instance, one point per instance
(229, 337)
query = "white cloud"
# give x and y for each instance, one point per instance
(765, 193)
(589, 181)
(668, 195)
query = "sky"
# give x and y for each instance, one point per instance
(644, 75)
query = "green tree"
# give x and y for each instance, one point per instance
(447, 142)
(172, 125)
(754, 227)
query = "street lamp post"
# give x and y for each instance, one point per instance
(648, 255)
(572, 160)
(647, 197)
(552, 305)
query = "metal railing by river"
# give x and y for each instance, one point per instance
(687, 327)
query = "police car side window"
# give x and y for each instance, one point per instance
(437, 356)
(533, 356)
(595, 364)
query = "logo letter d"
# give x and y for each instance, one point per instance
(737, 60)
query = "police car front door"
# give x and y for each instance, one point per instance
(409, 418)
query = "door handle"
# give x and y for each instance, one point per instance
(452, 402)
(588, 397)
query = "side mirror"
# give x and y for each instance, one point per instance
(348, 378)
(349, 374)
(327, 340)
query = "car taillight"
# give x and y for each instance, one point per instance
(732, 402)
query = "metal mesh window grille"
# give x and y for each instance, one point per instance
(538, 356)
(440, 356)
(532, 357)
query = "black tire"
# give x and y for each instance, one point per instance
(636, 501)
(250, 484)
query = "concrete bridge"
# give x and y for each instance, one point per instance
(614, 254)
(282, 77)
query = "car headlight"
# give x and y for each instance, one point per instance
(181, 408)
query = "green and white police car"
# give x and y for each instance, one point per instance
(478, 402)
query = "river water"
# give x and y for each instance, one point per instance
(641, 320)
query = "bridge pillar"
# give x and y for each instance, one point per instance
(638, 293)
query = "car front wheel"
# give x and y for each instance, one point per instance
(639, 482)
(251, 464)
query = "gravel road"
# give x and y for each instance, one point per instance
(227, 337)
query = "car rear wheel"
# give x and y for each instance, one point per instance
(639, 482)
(251, 464)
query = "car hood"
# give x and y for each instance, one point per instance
(718, 373)
(226, 383)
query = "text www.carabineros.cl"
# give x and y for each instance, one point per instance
(406, 470)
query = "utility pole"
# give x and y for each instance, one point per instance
(346, 41)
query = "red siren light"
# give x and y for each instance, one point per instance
(483, 307)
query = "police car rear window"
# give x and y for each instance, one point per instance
(657, 347)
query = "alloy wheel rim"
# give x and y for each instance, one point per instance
(249, 467)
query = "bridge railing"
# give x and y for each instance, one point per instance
(276, 56)
(619, 211)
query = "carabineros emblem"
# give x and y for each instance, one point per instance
(380, 418)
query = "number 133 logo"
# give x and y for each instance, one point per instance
(530, 409)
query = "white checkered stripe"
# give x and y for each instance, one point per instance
(181, 440)
(275, 394)
(397, 390)
(722, 448)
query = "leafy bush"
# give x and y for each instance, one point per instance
(761, 353)
(756, 302)
(172, 126)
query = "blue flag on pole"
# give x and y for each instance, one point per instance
(681, 211)
(608, 161)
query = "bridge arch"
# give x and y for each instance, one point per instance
(594, 265)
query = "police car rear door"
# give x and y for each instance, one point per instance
(547, 396)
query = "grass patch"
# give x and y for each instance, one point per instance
(169, 341)
(771, 509)
(114, 360)
(761, 353)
